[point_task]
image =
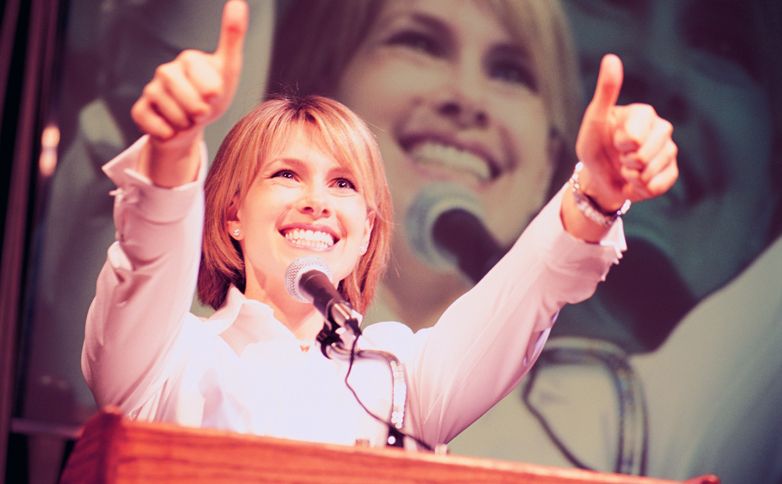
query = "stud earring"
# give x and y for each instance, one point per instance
(363, 249)
(236, 233)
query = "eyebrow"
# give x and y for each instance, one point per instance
(423, 19)
(430, 21)
(440, 25)
(284, 160)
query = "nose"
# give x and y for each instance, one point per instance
(460, 100)
(462, 112)
(315, 203)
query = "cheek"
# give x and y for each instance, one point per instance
(386, 92)
(261, 211)
(354, 218)
(517, 196)
(524, 130)
(521, 115)
(381, 86)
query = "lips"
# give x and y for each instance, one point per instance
(440, 152)
(312, 238)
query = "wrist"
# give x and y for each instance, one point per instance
(603, 196)
(172, 162)
(178, 147)
(595, 208)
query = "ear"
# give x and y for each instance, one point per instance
(232, 222)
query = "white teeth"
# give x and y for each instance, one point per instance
(432, 153)
(309, 239)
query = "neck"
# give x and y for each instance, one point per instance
(305, 326)
(302, 319)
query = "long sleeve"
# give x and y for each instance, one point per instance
(488, 339)
(145, 288)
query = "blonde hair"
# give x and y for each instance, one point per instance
(340, 133)
(315, 41)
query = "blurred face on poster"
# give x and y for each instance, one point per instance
(458, 102)
(453, 98)
(471, 100)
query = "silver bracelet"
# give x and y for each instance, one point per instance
(589, 207)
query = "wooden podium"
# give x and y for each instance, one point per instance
(114, 449)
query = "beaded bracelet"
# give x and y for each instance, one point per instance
(589, 207)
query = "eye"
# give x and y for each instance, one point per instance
(345, 183)
(513, 71)
(284, 173)
(417, 41)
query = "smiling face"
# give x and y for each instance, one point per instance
(303, 202)
(453, 97)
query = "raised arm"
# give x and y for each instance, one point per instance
(145, 288)
(487, 340)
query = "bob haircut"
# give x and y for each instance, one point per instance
(315, 40)
(338, 132)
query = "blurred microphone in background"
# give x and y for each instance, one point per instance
(446, 228)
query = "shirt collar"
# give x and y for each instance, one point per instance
(255, 318)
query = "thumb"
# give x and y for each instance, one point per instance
(609, 83)
(232, 31)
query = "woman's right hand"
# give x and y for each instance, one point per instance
(184, 96)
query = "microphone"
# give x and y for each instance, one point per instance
(462, 234)
(445, 227)
(308, 279)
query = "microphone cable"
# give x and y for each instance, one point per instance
(308, 279)
(395, 435)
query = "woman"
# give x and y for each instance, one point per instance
(473, 102)
(302, 177)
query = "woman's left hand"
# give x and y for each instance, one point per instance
(627, 151)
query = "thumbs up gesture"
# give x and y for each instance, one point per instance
(187, 94)
(627, 151)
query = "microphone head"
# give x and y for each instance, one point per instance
(297, 269)
(430, 203)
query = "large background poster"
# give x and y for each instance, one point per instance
(669, 370)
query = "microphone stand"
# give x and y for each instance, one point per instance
(332, 339)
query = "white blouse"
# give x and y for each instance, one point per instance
(147, 354)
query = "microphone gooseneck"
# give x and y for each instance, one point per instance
(308, 279)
